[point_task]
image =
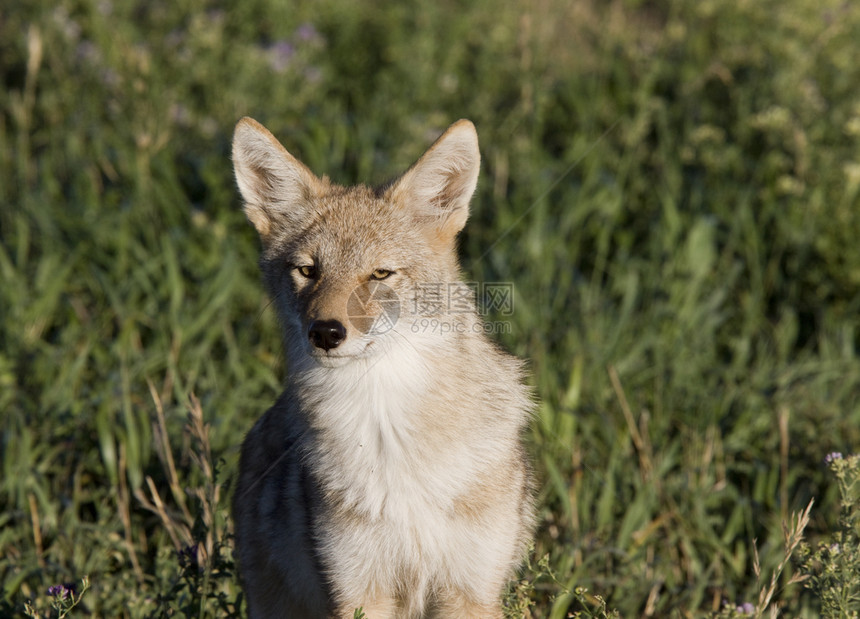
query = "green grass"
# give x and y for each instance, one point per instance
(673, 188)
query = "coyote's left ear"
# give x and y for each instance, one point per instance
(438, 187)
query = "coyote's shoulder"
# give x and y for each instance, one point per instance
(390, 475)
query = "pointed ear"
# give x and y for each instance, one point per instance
(276, 186)
(438, 187)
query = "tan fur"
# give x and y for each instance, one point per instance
(390, 475)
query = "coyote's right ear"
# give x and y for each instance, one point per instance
(276, 187)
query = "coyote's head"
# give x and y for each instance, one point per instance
(345, 266)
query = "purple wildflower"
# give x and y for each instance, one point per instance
(307, 32)
(833, 455)
(68, 26)
(280, 54)
(188, 556)
(180, 114)
(59, 591)
(87, 52)
(313, 74)
(745, 609)
(216, 16)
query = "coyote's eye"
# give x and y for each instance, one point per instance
(308, 270)
(380, 274)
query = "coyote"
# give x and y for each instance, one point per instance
(390, 475)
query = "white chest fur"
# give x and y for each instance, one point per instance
(373, 419)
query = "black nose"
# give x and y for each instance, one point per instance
(326, 334)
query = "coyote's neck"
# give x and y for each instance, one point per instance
(372, 420)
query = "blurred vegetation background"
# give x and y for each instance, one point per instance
(671, 186)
